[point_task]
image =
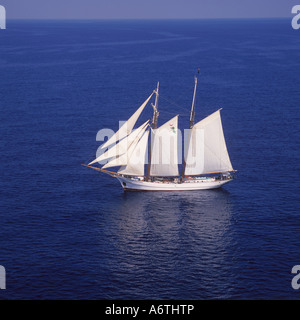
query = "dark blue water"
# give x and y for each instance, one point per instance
(67, 232)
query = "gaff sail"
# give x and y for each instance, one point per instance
(164, 153)
(206, 148)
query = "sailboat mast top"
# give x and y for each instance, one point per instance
(154, 126)
(192, 116)
(155, 112)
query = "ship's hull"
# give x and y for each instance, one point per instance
(137, 185)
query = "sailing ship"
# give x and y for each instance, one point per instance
(206, 162)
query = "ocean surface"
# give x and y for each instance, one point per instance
(68, 232)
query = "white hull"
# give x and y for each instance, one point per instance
(138, 185)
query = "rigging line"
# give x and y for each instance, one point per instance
(172, 113)
(94, 158)
(174, 103)
(88, 161)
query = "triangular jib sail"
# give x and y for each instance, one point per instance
(123, 160)
(127, 127)
(121, 147)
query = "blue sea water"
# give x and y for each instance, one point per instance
(67, 232)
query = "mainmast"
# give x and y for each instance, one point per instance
(154, 126)
(192, 118)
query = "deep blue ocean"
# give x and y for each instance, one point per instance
(68, 232)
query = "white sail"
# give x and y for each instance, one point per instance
(206, 153)
(164, 156)
(127, 127)
(136, 160)
(206, 149)
(122, 160)
(121, 147)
